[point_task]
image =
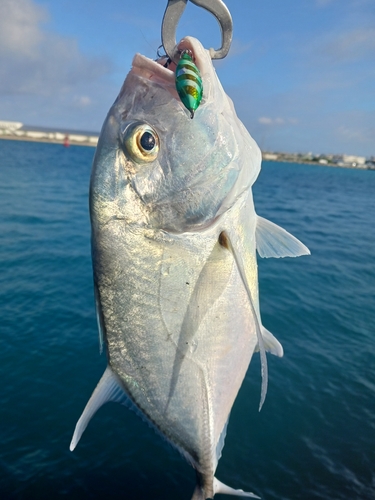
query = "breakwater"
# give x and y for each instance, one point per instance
(18, 132)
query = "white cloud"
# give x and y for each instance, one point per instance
(239, 48)
(35, 61)
(349, 46)
(82, 101)
(19, 27)
(264, 120)
(357, 133)
(325, 84)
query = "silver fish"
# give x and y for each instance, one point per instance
(174, 240)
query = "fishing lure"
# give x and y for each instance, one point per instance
(189, 82)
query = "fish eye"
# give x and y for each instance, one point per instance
(141, 142)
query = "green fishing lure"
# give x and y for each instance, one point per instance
(189, 83)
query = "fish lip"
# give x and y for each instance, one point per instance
(152, 70)
(156, 70)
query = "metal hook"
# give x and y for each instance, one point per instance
(172, 15)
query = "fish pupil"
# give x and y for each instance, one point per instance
(147, 141)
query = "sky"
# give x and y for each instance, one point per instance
(301, 73)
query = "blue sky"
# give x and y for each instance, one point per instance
(300, 72)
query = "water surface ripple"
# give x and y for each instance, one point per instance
(314, 438)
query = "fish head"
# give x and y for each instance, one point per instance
(156, 167)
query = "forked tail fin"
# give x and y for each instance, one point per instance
(220, 487)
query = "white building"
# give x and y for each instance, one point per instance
(270, 156)
(10, 125)
(354, 160)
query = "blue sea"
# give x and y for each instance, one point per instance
(315, 436)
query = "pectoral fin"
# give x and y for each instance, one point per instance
(225, 241)
(273, 241)
(210, 285)
(108, 389)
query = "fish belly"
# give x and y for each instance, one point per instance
(179, 332)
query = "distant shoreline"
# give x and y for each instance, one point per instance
(314, 163)
(321, 160)
(318, 164)
(73, 139)
(91, 141)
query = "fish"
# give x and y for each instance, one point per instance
(174, 242)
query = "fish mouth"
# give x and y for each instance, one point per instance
(162, 71)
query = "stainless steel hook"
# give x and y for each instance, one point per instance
(172, 15)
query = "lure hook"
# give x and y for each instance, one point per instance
(172, 15)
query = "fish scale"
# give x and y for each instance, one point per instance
(128, 283)
(174, 238)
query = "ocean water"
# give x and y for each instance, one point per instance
(315, 436)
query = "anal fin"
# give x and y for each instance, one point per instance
(108, 389)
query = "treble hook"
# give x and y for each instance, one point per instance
(172, 15)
